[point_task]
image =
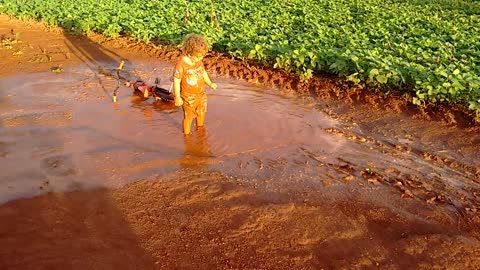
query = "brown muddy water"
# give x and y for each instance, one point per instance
(62, 132)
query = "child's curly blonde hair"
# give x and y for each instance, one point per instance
(194, 43)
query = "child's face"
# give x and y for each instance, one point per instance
(197, 57)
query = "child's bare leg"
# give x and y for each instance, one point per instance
(187, 123)
(200, 119)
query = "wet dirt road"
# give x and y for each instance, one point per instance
(66, 133)
(274, 181)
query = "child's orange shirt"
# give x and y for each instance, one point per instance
(191, 76)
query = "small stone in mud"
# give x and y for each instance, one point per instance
(348, 178)
(432, 200)
(327, 182)
(368, 171)
(361, 139)
(56, 69)
(372, 181)
(407, 193)
(44, 184)
(392, 171)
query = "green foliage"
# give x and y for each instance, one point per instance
(428, 48)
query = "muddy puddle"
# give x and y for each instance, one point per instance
(61, 132)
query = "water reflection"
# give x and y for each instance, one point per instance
(138, 101)
(197, 151)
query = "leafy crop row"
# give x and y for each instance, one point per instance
(429, 48)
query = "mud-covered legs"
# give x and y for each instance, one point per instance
(200, 119)
(187, 122)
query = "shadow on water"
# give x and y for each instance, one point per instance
(94, 56)
(197, 152)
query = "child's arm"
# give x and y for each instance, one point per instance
(177, 78)
(207, 80)
(176, 92)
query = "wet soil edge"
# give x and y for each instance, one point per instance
(320, 86)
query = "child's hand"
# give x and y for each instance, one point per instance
(178, 101)
(213, 86)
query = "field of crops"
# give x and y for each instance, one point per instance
(430, 48)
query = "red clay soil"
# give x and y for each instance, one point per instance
(198, 220)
